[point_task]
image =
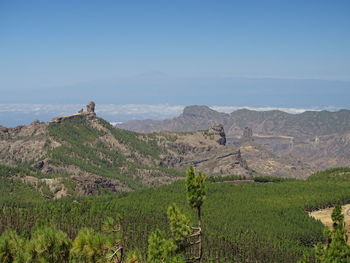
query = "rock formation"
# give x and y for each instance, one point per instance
(218, 130)
(90, 107)
(90, 112)
(240, 161)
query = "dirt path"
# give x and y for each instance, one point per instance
(324, 215)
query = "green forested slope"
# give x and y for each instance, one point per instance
(14, 192)
(262, 222)
(82, 146)
(334, 174)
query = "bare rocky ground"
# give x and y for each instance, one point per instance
(205, 150)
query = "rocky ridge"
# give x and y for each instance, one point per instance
(83, 154)
(319, 138)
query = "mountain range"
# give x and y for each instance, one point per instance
(82, 154)
(319, 138)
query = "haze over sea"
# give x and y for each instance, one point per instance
(21, 114)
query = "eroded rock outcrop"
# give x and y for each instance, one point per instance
(93, 184)
(218, 130)
(90, 114)
(206, 150)
(90, 107)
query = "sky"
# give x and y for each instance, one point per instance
(289, 54)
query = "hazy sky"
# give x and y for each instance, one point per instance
(255, 53)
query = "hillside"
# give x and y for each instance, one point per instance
(319, 138)
(83, 154)
(87, 151)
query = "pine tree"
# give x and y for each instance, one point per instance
(180, 228)
(134, 257)
(91, 247)
(196, 194)
(12, 248)
(47, 244)
(113, 228)
(161, 249)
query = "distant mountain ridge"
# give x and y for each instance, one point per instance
(320, 138)
(275, 122)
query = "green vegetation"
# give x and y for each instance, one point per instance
(45, 245)
(173, 250)
(180, 225)
(162, 249)
(334, 174)
(89, 148)
(90, 246)
(195, 190)
(13, 191)
(81, 147)
(12, 247)
(257, 179)
(49, 245)
(217, 179)
(147, 147)
(69, 185)
(6, 171)
(242, 223)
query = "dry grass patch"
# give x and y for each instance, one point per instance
(324, 215)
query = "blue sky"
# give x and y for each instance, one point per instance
(254, 53)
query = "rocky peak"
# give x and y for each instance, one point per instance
(90, 107)
(218, 130)
(198, 111)
(90, 113)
